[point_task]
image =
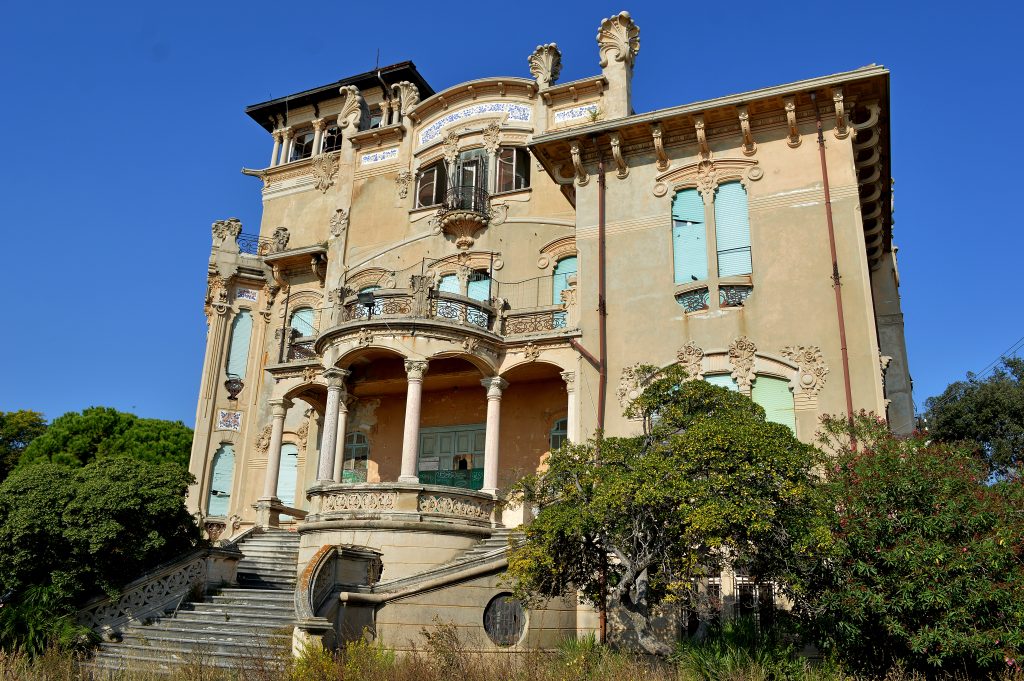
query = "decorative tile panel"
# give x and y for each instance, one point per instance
(516, 112)
(246, 294)
(229, 420)
(379, 156)
(577, 114)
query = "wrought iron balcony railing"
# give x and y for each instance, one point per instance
(468, 198)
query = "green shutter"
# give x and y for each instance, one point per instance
(732, 230)
(689, 241)
(287, 476)
(479, 287)
(723, 380)
(302, 321)
(564, 268)
(220, 481)
(238, 352)
(449, 284)
(775, 397)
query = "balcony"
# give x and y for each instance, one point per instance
(402, 505)
(463, 213)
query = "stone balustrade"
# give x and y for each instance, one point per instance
(400, 503)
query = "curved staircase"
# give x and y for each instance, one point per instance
(246, 626)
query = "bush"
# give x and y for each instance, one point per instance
(738, 649)
(927, 569)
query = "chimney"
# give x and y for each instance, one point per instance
(618, 41)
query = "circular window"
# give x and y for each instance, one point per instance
(504, 619)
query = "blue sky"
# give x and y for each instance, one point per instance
(124, 133)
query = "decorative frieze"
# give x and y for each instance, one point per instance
(585, 113)
(229, 420)
(457, 506)
(379, 156)
(517, 113)
(252, 295)
(368, 501)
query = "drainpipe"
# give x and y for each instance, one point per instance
(835, 264)
(602, 308)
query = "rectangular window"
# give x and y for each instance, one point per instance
(732, 230)
(775, 397)
(513, 169)
(431, 185)
(689, 241)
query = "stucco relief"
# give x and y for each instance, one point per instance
(741, 357)
(492, 137)
(339, 223)
(325, 168)
(403, 181)
(263, 440)
(546, 64)
(691, 359)
(812, 367)
(359, 501)
(444, 504)
(352, 108)
(619, 38)
(631, 383)
(706, 175)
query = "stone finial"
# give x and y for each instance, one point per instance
(620, 36)
(227, 229)
(280, 239)
(407, 94)
(546, 64)
(352, 108)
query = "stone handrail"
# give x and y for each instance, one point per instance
(401, 502)
(316, 583)
(160, 590)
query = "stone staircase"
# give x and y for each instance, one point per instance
(497, 541)
(249, 626)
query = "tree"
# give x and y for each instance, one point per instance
(17, 430)
(75, 439)
(78, 531)
(927, 565)
(708, 482)
(988, 412)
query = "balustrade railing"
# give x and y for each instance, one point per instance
(254, 244)
(465, 198)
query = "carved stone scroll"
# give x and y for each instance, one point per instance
(842, 129)
(576, 149)
(546, 64)
(702, 137)
(794, 132)
(749, 146)
(620, 161)
(408, 96)
(619, 38)
(659, 146)
(351, 109)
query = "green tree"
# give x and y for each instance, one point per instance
(17, 430)
(82, 530)
(989, 412)
(708, 481)
(75, 439)
(927, 567)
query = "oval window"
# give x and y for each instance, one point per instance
(505, 619)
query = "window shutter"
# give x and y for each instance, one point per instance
(238, 352)
(479, 287)
(302, 321)
(723, 381)
(732, 229)
(449, 284)
(564, 268)
(689, 241)
(288, 474)
(220, 481)
(775, 397)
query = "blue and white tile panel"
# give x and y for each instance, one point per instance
(518, 113)
(379, 156)
(575, 115)
(229, 420)
(246, 294)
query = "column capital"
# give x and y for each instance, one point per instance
(280, 406)
(570, 380)
(494, 385)
(287, 132)
(319, 124)
(415, 368)
(336, 377)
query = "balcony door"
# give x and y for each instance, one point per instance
(452, 456)
(471, 176)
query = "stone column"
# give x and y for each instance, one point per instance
(319, 125)
(329, 441)
(414, 369)
(494, 386)
(570, 413)
(279, 409)
(286, 145)
(277, 148)
(339, 460)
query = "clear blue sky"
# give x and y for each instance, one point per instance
(124, 133)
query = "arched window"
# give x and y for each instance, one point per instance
(689, 239)
(303, 321)
(288, 474)
(564, 269)
(357, 453)
(238, 350)
(559, 434)
(732, 230)
(775, 397)
(221, 477)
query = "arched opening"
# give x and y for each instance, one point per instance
(221, 479)
(288, 475)
(303, 321)
(238, 350)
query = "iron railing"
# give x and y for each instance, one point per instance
(467, 198)
(254, 244)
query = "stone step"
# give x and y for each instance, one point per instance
(241, 646)
(238, 609)
(243, 620)
(251, 565)
(268, 584)
(156, 636)
(232, 595)
(271, 554)
(145, 658)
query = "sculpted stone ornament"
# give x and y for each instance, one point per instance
(631, 383)
(227, 229)
(302, 434)
(339, 223)
(351, 109)
(263, 440)
(691, 359)
(546, 64)
(531, 352)
(325, 168)
(310, 374)
(403, 182)
(216, 296)
(407, 94)
(280, 239)
(619, 38)
(492, 137)
(451, 147)
(365, 337)
(741, 356)
(812, 366)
